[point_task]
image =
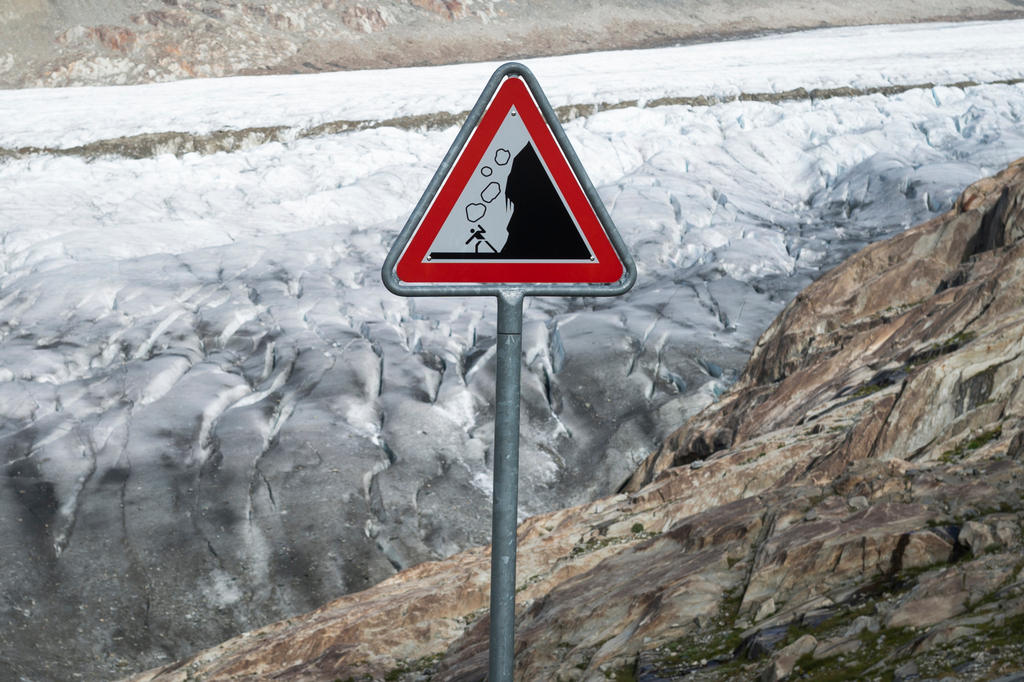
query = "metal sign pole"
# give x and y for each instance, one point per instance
(506, 486)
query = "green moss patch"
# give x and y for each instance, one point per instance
(967, 445)
(422, 668)
(936, 350)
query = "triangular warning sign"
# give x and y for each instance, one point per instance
(509, 205)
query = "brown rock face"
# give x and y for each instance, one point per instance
(854, 502)
(895, 323)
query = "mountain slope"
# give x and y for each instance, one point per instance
(104, 42)
(852, 506)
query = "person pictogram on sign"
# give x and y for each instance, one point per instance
(478, 235)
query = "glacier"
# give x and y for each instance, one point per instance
(212, 414)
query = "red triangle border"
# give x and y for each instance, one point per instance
(607, 267)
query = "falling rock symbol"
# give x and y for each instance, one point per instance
(540, 226)
(502, 156)
(475, 212)
(490, 192)
(486, 171)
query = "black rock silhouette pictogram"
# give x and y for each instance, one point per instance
(540, 227)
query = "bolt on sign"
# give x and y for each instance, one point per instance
(509, 213)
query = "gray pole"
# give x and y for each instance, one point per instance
(506, 486)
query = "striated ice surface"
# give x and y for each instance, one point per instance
(212, 414)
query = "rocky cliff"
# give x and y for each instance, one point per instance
(102, 42)
(851, 508)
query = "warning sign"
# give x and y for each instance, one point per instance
(509, 213)
(514, 208)
(511, 208)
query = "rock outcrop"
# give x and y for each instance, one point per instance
(56, 42)
(852, 506)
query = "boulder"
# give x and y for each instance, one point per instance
(977, 537)
(783, 662)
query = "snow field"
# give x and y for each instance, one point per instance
(203, 381)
